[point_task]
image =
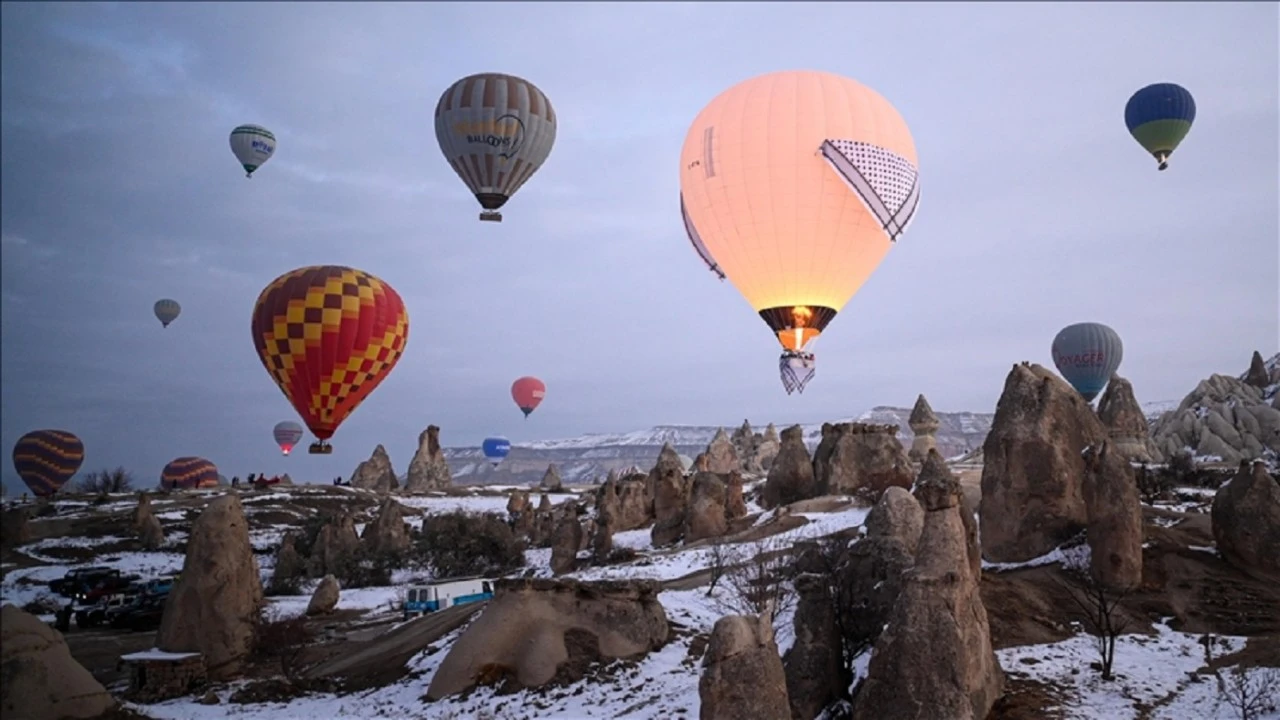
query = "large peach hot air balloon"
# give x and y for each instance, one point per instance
(794, 185)
(528, 392)
(328, 335)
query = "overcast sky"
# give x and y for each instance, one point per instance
(1038, 210)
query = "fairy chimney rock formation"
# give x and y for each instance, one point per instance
(213, 606)
(376, 473)
(1125, 422)
(1033, 471)
(428, 470)
(924, 423)
(1246, 521)
(40, 678)
(1257, 375)
(934, 658)
(721, 457)
(791, 474)
(551, 479)
(860, 459)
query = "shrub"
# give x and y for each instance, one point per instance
(283, 585)
(106, 481)
(282, 638)
(459, 544)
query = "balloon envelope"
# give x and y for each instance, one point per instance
(328, 335)
(1159, 116)
(528, 393)
(495, 130)
(287, 434)
(188, 473)
(252, 145)
(794, 185)
(496, 449)
(167, 311)
(1087, 355)
(47, 459)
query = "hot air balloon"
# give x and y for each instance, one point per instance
(167, 311)
(47, 459)
(495, 130)
(328, 335)
(496, 449)
(1159, 116)
(794, 185)
(189, 473)
(528, 393)
(287, 434)
(1087, 355)
(253, 145)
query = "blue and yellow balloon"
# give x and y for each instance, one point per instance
(1159, 116)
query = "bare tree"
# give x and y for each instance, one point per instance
(106, 481)
(758, 582)
(1253, 695)
(719, 558)
(1099, 605)
(283, 638)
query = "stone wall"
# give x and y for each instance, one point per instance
(156, 680)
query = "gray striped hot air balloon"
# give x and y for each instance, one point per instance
(495, 130)
(252, 145)
(287, 434)
(1087, 355)
(167, 311)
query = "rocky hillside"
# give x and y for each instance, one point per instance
(592, 456)
(1226, 418)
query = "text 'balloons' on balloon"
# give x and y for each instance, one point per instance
(47, 459)
(1159, 116)
(252, 145)
(328, 335)
(189, 473)
(287, 433)
(496, 449)
(794, 185)
(1087, 355)
(167, 311)
(528, 393)
(495, 130)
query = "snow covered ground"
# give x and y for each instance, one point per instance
(1156, 675)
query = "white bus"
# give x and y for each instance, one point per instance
(421, 599)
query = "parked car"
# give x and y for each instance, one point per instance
(89, 616)
(80, 579)
(145, 615)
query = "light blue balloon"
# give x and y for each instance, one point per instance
(1087, 355)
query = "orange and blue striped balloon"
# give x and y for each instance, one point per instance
(47, 459)
(187, 473)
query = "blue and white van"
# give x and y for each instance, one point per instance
(421, 599)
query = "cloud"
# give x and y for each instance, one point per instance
(1038, 209)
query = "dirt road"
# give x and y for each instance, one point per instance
(382, 659)
(99, 650)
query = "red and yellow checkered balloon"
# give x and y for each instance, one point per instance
(328, 335)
